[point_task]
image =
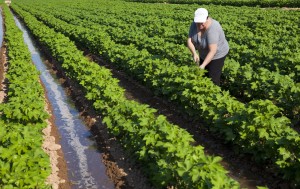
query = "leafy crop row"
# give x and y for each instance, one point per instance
(257, 128)
(261, 3)
(260, 37)
(243, 81)
(167, 151)
(23, 163)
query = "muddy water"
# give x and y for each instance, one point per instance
(85, 167)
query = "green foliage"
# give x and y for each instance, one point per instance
(253, 71)
(134, 124)
(258, 127)
(23, 164)
(261, 3)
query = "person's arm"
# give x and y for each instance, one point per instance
(212, 51)
(191, 47)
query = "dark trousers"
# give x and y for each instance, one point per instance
(214, 69)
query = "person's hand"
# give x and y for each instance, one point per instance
(202, 67)
(196, 58)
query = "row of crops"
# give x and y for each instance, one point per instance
(260, 3)
(258, 127)
(148, 42)
(23, 163)
(154, 141)
(264, 63)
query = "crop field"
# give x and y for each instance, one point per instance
(255, 111)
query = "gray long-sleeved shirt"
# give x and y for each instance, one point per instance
(213, 35)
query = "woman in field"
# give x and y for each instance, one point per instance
(207, 36)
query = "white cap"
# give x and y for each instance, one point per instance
(201, 15)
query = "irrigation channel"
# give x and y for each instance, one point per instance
(84, 163)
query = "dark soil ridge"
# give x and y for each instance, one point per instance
(241, 167)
